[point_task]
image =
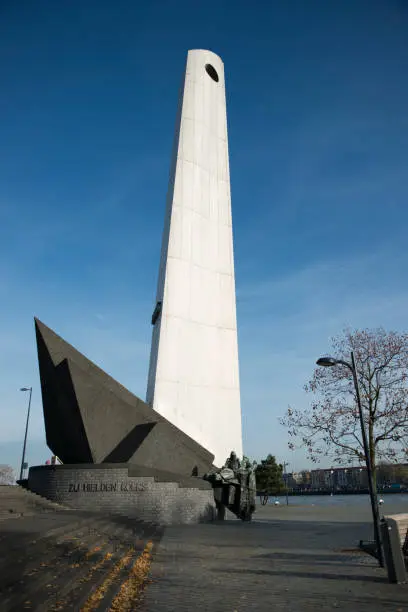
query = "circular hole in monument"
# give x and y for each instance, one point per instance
(211, 71)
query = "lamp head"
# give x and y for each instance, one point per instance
(326, 362)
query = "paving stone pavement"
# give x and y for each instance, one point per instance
(295, 561)
(272, 565)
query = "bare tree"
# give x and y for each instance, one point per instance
(6, 475)
(330, 426)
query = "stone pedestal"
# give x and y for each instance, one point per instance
(112, 489)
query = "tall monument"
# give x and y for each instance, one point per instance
(154, 461)
(193, 374)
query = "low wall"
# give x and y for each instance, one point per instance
(110, 489)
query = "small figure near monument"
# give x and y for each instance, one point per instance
(233, 463)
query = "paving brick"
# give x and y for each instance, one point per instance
(293, 566)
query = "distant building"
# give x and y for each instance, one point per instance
(318, 479)
(306, 478)
(351, 478)
(339, 478)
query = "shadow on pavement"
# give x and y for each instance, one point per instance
(290, 573)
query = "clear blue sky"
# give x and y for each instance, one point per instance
(318, 122)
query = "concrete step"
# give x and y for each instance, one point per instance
(17, 500)
(161, 476)
(76, 590)
(43, 501)
(56, 562)
(142, 534)
(95, 560)
(22, 506)
(54, 566)
(123, 576)
(31, 530)
(9, 514)
(30, 555)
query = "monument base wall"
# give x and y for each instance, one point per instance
(108, 488)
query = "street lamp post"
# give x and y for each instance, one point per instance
(329, 362)
(30, 389)
(285, 479)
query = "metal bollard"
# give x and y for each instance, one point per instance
(394, 559)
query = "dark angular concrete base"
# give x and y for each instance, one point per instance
(91, 418)
(135, 491)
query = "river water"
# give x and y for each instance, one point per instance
(394, 500)
(343, 508)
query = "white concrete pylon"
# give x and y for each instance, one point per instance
(193, 373)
